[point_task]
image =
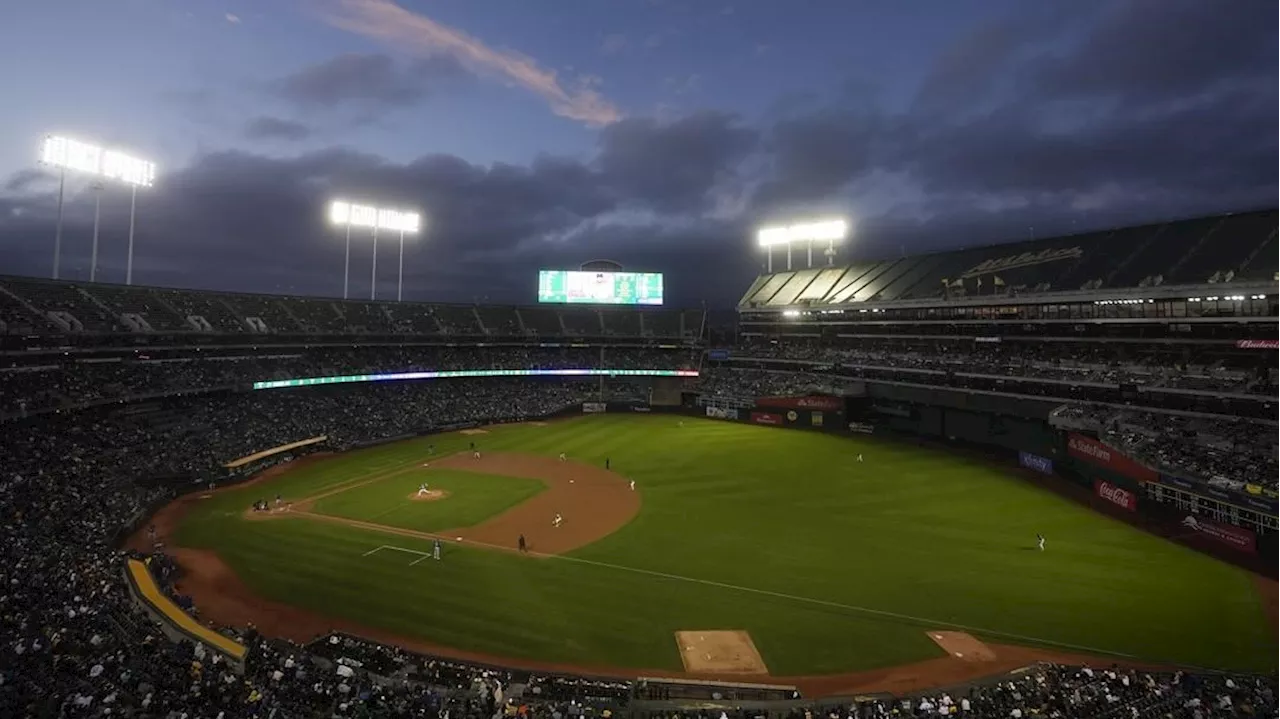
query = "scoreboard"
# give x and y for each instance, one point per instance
(601, 288)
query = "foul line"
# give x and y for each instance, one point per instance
(769, 593)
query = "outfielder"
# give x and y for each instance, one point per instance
(1040, 542)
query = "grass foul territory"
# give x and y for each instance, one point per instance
(826, 563)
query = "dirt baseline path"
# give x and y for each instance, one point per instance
(223, 599)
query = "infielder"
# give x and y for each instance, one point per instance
(633, 485)
(475, 454)
(562, 457)
(557, 520)
(422, 489)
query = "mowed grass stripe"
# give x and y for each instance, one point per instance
(910, 531)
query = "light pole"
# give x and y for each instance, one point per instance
(97, 214)
(831, 231)
(373, 280)
(346, 264)
(400, 274)
(65, 154)
(342, 212)
(57, 232)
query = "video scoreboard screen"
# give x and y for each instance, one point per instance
(600, 288)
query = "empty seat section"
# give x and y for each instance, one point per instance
(458, 319)
(268, 309)
(499, 320)
(621, 323)
(208, 305)
(541, 321)
(59, 297)
(581, 321)
(140, 301)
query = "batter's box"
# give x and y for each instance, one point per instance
(720, 651)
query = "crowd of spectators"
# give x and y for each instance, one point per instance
(31, 385)
(1227, 454)
(1056, 362)
(76, 646)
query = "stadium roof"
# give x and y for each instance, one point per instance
(1220, 248)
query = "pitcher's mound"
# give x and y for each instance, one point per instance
(431, 495)
(964, 647)
(720, 651)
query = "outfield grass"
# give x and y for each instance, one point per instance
(473, 498)
(830, 564)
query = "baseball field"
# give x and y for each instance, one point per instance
(741, 550)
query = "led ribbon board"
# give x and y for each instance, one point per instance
(455, 374)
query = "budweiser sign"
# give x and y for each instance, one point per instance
(1228, 534)
(765, 418)
(1257, 344)
(1116, 495)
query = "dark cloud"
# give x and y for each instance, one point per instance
(1003, 141)
(266, 127)
(371, 80)
(673, 167)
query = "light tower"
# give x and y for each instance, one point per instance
(351, 215)
(829, 231)
(65, 154)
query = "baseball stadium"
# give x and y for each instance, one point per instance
(971, 473)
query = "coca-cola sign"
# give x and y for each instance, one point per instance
(1094, 452)
(1228, 534)
(1257, 344)
(1118, 496)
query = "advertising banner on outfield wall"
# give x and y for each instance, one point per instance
(815, 418)
(1118, 496)
(722, 413)
(1258, 502)
(594, 407)
(1040, 464)
(766, 418)
(1257, 344)
(862, 428)
(1228, 534)
(1096, 453)
(826, 404)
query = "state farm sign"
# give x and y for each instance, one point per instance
(826, 404)
(1116, 495)
(1094, 452)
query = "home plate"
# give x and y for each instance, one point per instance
(964, 647)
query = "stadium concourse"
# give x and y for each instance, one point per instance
(114, 400)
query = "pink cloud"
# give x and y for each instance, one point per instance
(387, 22)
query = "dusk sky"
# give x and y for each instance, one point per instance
(659, 133)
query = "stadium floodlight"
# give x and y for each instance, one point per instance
(829, 231)
(65, 154)
(351, 215)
